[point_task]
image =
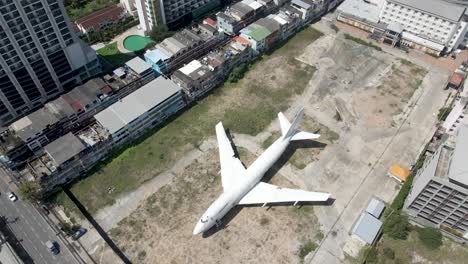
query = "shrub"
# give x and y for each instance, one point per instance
(389, 253)
(30, 191)
(238, 73)
(306, 248)
(399, 200)
(159, 33)
(396, 226)
(430, 237)
(371, 255)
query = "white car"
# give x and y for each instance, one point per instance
(12, 197)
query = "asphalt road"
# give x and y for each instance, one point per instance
(31, 229)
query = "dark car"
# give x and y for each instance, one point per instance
(52, 246)
(79, 233)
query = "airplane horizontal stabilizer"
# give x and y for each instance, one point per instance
(304, 136)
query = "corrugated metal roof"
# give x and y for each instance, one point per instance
(137, 103)
(375, 207)
(367, 227)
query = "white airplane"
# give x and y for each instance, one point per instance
(242, 186)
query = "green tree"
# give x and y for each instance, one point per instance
(396, 226)
(30, 191)
(159, 33)
(238, 73)
(430, 237)
(371, 255)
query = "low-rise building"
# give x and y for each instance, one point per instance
(439, 195)
(101, 19)
(183, 47)
(67, 158)
(262, 34)
(458, 113)
(200, 76)
(368, 225)
(243, 13)
(141, 110)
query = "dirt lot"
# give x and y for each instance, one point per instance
(161, 228)
(269, 87)
(373, 110)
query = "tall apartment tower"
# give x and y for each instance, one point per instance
(439, 196)
(170, 12)
(40, 56)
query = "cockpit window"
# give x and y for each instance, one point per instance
(204, 220)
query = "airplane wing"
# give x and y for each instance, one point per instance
(264, 193)
(231, 166)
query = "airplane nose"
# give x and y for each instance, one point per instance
(198, 229)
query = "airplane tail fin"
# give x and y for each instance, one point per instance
(291, 130)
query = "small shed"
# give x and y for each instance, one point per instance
(375, 207)
(399, 173)
(456, 80)
(367, 228)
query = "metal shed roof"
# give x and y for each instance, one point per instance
(367, 227)
(375, 207)
(137, 103)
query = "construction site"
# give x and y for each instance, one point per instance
(373, 109)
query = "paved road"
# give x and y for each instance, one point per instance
(30, 228)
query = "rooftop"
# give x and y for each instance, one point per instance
(399, 172)
(64, 148)
(96, 19)
(257, 32)
(458, 170)
(138, 65)
(361, 9)
(34, 123)
(85, 95)
(270, 24)
(375, 207)
(436, 7)
(137, 103)
(367, 227)
(457, 79)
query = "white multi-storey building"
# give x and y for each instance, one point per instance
(40, 56)
(172, 13)
(433, 20)
(432, 26)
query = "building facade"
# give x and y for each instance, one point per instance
(143, 109)
(172, 13)
(431, 26)
(439, 195)
(40, 56)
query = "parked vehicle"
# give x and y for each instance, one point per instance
(12, 196)
(79, 233)
(52, 246)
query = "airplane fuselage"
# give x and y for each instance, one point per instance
(228, 199)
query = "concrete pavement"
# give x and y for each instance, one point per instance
(30, 228)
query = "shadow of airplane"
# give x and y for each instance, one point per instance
(287, 154)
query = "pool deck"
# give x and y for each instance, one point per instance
(120, 38)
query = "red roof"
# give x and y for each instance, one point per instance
(242, 40)
(75, 104)
(94, 20)
(457, 79)
(209, 21)
(106, 90)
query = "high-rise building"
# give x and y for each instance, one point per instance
(172, 13)
(40, 56)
